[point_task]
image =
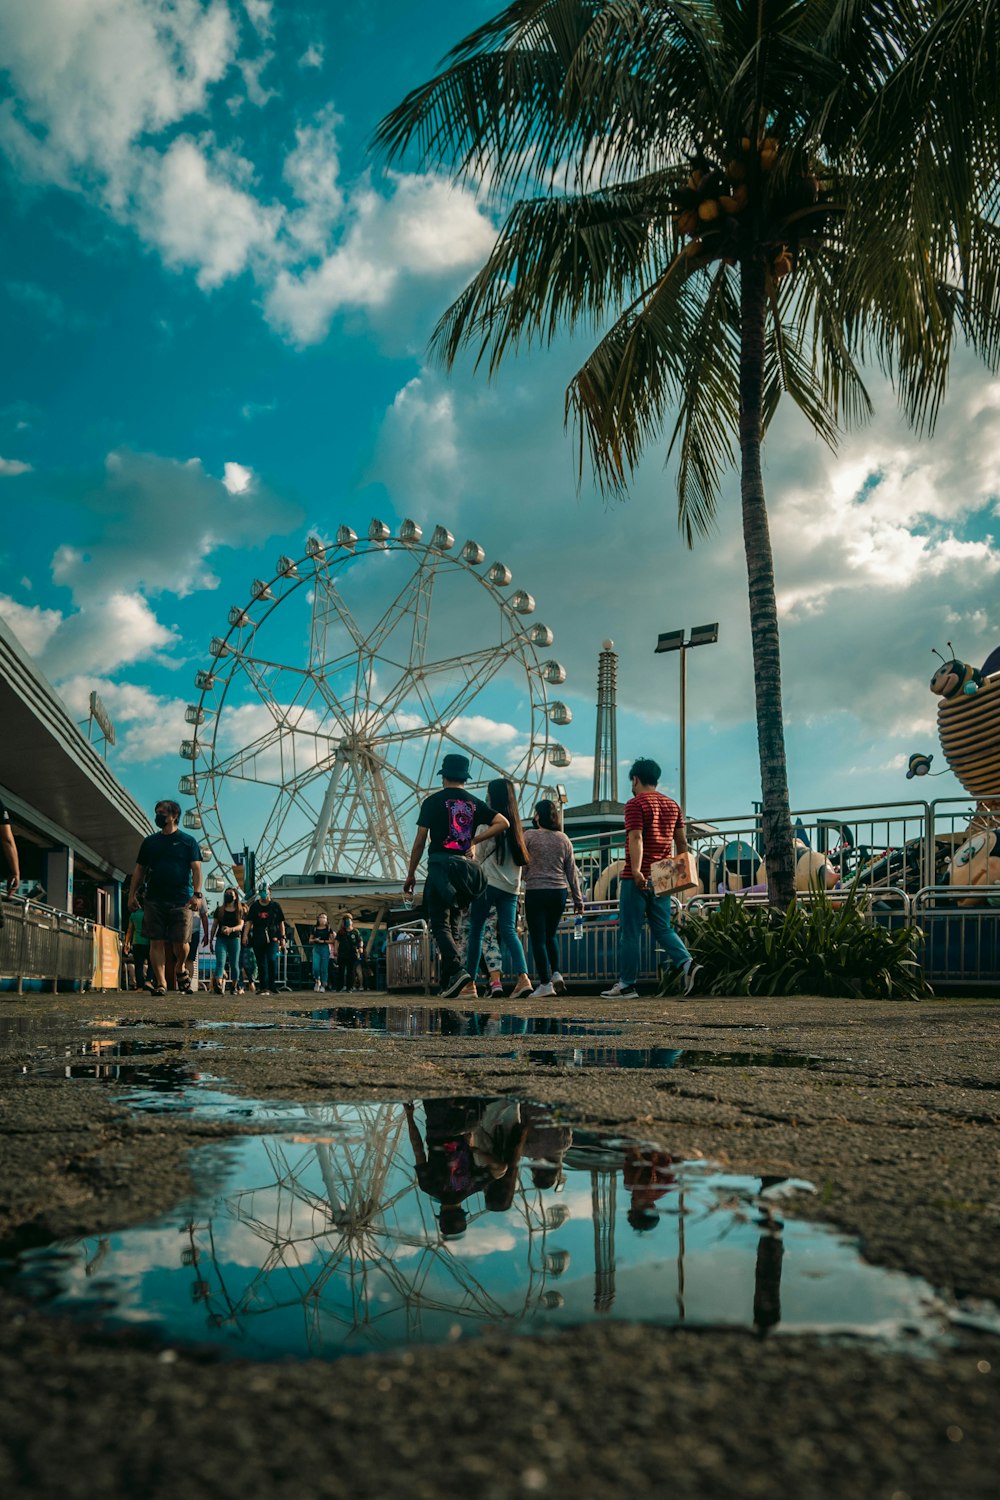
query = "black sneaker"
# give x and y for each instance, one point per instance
(456, 983)
(691, 977)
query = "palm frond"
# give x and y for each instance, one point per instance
(557, 261)
(677, 348)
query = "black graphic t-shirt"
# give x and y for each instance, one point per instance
(451, 817)
(167, 859)
(266, 918)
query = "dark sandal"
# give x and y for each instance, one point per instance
(184, 984)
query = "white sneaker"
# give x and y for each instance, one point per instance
(559, 984)
(691, 972)
(318, 987)
(542, 992)
(620, 991)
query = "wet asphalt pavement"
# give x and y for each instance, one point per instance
(889, 1110)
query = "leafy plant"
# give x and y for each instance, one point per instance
(826, 948)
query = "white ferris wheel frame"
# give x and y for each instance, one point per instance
(360, 825)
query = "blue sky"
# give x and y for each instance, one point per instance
(216, 309)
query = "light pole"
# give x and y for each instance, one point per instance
(674, 640)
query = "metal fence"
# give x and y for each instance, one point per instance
(38, 943)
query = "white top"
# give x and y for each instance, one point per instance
(503, 875)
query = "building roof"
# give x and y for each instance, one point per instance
(51, 768)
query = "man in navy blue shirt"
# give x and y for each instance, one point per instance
(169, 864)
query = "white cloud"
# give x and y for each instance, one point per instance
(113, 100)
(111, 631)
(477, 729)
(313, 56)
(32, 625)
(194, 207)
(236, 478)
(426, 228)
(9, 467)
(260, 16)
(91, 81)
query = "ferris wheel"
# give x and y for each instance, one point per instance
(339, 685)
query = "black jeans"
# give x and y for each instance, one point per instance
(347, 971)
(266, 955)
(543, 910)
(446, 925)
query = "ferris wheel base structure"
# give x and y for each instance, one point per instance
(325, 709)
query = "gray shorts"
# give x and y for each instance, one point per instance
(164, 922)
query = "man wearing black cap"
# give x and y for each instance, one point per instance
(450, 819)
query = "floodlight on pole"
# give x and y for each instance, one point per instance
(674, 640)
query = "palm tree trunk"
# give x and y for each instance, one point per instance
(777, 826)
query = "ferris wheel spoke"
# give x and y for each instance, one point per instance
(329, 607)
(478, 675)
(413, 599)
(475, 666)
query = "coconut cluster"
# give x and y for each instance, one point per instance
(723, 209)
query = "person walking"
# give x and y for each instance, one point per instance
(9, 848)
(449, 819)
(136, 946)
(548, 880)
(199, 936)
(349, 945)
(169, 866)
(319, 944)
(501, 860)
(227, 934)
(654, 828)
(266, 930)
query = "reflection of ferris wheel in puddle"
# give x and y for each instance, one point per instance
(356, 1251)
(346, 738)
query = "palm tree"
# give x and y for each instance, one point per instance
(745, 199)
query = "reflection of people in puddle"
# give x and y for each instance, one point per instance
(446, 1167)
(497, 1147)
(545, 1145)
(767, 1272)
(650, 1176)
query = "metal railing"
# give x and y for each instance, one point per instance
(40, 943)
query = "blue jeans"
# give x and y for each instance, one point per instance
(321, 962)
(505, 903)
(633, 907)
(227, 950)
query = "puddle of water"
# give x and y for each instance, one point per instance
(393, 1020)
(667, 1057)
(358, 1226)
(114, 1061)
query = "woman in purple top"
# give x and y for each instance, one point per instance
(548, 880)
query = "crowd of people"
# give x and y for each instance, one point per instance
(481, 863)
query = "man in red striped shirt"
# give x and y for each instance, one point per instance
(654, 828)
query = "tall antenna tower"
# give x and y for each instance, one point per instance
(606, 741)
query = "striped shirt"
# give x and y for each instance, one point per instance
(655, 817)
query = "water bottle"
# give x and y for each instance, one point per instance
(578, 928)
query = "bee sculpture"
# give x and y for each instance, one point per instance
(969, 721)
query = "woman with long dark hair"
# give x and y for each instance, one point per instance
(551, 877)
(502, 860)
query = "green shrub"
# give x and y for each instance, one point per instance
(825, 948)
